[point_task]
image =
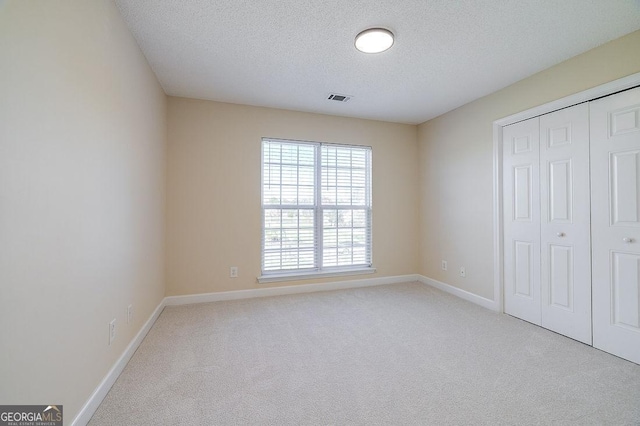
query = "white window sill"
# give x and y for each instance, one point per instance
(294, 276)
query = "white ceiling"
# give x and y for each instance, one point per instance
(292, 53)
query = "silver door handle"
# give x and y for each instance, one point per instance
(627, 240)
(560, 234)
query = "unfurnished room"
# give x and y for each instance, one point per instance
(293, 212)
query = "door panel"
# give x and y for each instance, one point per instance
(561, 191)
(564, 233)
(523, 192)
(623, 175)
(521, 156)
(615, 174)
(561, 277)
(523, 269)
(625, 295)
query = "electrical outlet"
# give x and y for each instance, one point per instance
(234, 272)
(463, 272)
(129, 313)
(444, 265)
(112, 330)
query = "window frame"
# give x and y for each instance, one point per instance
(318, 270)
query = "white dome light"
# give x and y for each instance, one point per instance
(374, 40)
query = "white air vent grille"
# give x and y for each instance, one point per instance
(338, 97)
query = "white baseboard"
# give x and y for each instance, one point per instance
(103, 388)
(278, 291)
(463, 294)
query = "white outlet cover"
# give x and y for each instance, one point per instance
(129, 313)
(444, 265)
(463, 272)
(112, 330)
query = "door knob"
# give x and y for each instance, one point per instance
(627, 240)
(560, 234)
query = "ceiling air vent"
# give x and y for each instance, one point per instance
(339, 98)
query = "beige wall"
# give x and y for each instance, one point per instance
(213, 190)
(82, 160)
(456, 163)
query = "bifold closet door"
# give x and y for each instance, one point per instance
(565, 250)
(615, 185)
(521, 212)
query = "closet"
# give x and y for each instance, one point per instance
(571, 200)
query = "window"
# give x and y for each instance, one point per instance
(316, 207)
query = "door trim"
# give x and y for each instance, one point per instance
(606, 89)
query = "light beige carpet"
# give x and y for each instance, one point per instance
(397, 354)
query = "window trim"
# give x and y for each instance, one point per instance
(326, 273)
(319, 272)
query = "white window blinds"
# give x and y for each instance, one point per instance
(316, 203)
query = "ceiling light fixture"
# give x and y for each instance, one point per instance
(374, 40)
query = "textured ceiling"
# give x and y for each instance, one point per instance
(292, 53)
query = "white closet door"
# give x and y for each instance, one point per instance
(521, 166)
(565, 250)
(615, 181)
